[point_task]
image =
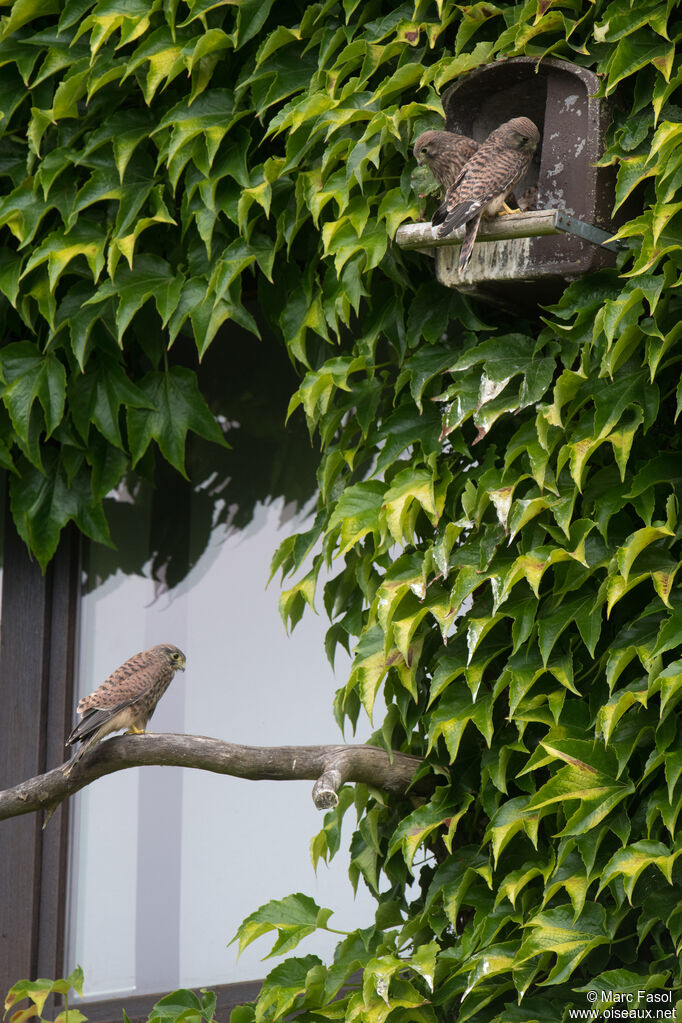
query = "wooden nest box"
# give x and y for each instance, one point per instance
(565, 232)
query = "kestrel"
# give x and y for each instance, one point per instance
(127, 698)
(445, 154)
(487, 179)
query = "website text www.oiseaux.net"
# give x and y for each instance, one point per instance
(634, 1005)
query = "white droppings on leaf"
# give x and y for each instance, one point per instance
(490, 389)
(502, 500)
(382, 988)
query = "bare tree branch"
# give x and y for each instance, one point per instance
(330, 767)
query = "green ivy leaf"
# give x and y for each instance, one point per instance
(97, 396)
(292, 918)
(44, 502)
(555, 931)
(178, 407)
(31, 376)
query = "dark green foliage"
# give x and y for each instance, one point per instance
(499, 504)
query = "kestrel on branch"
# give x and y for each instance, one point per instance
(445, 154)
(487, 179)
(128, 698)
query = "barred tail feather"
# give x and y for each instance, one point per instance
(468, 243)
(85, 746)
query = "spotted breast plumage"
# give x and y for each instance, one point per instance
(127, 698)
(445, 154)
(498, 165)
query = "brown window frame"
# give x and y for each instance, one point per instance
(38, 653)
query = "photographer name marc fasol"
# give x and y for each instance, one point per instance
(637, 996)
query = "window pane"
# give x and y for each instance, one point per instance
(167, 862)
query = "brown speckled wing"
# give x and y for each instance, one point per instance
(491, 172)
(132, 680)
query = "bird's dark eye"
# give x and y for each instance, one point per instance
(524, 138)
(175, 655)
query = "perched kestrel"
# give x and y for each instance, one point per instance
(128, 698)
(445, 154)
(487, 179)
